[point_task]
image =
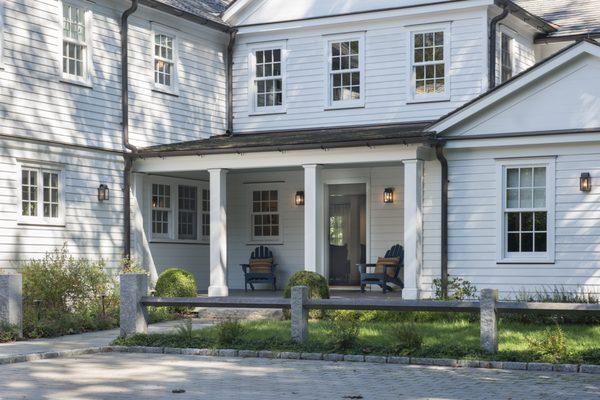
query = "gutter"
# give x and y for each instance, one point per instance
(492, 47)
(129, 150)
(439, 152)
(230, 47)
(542, 39)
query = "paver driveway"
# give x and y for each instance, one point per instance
(149, 376)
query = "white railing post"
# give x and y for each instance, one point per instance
(299, 314)
(133, 316)
(11, 301)
(489, 320)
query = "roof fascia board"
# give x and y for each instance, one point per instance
(361, 16)
(236, 8)
(519, 82)
(536, 22)
(524, 139)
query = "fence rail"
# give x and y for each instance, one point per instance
(135, 300)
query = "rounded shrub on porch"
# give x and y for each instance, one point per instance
(176, 282)
(318, 288)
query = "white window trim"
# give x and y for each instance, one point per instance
(40, 219)
(543, 258)
(88, 69)
(172, 237)
(201, 213)
(253, 48)
(504, 30)
(253, 240)
(336, 105)
(411, 79)
(173, 89)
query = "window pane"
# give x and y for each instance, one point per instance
(513, 222)
(526, 177)
(512, 198)
(513, 242)
(540, 221)
(541, 242)
(539, 198)
(539, 177)
(527, 222)
(526, 198)
(526, 242)
(512, 177)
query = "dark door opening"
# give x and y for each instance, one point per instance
(347, 232)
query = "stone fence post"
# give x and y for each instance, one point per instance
(489, 320)
(11, 301)
(299, 314)
(133, 316)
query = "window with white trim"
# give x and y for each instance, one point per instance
(75, 41)
(265, 215)
(268, 79)
(187, 219)
(205, 214)
(41, 195)
(345, 71)
(161, 210)
(528, 211)
(429, 64)
(165, 61)
(506, 57)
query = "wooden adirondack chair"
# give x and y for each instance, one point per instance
(265, 274)
(390, 273)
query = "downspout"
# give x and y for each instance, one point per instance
(439, 152)
(129, 149)
(492, 53)
(230, 47)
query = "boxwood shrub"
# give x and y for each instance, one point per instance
(318, 288)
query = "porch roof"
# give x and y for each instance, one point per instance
(299, 139)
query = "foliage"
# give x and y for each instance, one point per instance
(458, 289)
(551, 346)
(64, 295)
(408, 340)
(8, 332)
(402, 316)
(131, 266)
(229, 332)
(185, 330)
(318, 288)
(176, 282)
(343, 333)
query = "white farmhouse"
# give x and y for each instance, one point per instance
(467, 131)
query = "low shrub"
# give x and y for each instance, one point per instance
(396, 316)
(176, 282)
(185, 331)
(550, 347)
(458, 289)
(8, 332)
(229, 332)
(318, 288)
(343, 333)
(407, 340)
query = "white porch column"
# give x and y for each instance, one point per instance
(413, 227)
(218, 233)
(313, 215)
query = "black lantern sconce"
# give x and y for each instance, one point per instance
(103, 193)
(299, 198)
(585, 182)
(388, 195)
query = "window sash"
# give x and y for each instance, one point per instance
(74, 44)
(163, 65)
(506, 57)
(348, 78)
(265, 215)
(40, 195)
(431, 74)
(187, 218)
(205, 223)
(267, 78)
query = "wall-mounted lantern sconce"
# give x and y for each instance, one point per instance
(585, 182)
(388, 195)
(299, 198)
(103, 193)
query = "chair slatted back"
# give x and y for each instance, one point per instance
(396, 251)
(261, 252)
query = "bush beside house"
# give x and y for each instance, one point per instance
(318, 288)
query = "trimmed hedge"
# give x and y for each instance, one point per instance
(176, 282)
(318, 288)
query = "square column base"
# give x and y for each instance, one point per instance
(218, 291)
(410, 294)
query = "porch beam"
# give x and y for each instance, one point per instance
(413, 227)
(218, 233)
(313, 217)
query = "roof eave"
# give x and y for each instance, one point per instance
(535, 21)
(210, 23)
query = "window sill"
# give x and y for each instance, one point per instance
(430, 100)
(267, 112)
(169, 241)
(55, 224)
(76, 82)
(265, 242)
(344, 107)
(157, 89)
(526, 261)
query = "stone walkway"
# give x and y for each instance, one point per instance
(81, 341)
(156, 376)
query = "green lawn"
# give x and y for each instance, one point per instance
(443, 339)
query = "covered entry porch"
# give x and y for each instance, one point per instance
(253, 201)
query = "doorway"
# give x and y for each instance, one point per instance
(347, 232)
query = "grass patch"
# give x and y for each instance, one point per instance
(441, 339)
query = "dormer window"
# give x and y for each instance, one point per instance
(429, 64)
(267, 71)
(506, 57)
(345, 67)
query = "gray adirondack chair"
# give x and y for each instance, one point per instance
(382, 279)
(250, 278)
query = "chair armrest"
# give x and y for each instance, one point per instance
(362, 268)
(273, 266)
(245, 267)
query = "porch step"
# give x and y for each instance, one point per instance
(249, 314)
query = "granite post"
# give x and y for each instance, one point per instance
(11, 301)
(133, 316)
(299, 314)
(489, 320)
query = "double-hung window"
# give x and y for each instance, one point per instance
(429, 64)
(345, 71)
(267, 69)
(164, 62)
(527, 224)
(41, 195)
(75, 56)
(506, 57)
(161, 210)
(205, 214)
(187, 219)
(265, 215)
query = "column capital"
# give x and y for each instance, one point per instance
(412, 161)
(312, 166)
(218, 170)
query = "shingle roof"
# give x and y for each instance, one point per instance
(208, 9)
(573, 17)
